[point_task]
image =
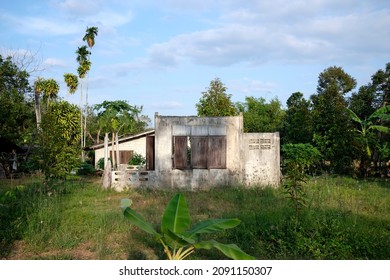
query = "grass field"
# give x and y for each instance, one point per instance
(344, 219)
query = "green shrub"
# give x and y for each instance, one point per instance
(86, 169)
(298, 159)
(100, 163)
(305, 157)
(137, 159)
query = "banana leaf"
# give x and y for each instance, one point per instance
(138, 221)
(176, 216)
(230, 250)
(215, 225)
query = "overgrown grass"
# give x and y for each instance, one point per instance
(345, 219)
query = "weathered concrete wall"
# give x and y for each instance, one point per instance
(261, 158)
(251, 158)
(167, 127)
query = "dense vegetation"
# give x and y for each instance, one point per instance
(316, 214)
(344, 219)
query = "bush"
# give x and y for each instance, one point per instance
(100, 163)
(86, 169)
(304, 156)
(137, 159)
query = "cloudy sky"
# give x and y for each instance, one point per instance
(163, 54)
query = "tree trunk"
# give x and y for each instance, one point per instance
(81, 122)
(37, 111)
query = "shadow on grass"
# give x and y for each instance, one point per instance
(24, 201)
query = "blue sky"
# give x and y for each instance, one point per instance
(163, 54)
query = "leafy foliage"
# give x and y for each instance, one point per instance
(298, 159)
(331, 122)
(260, 116)
(119, 115)
(366, 133)
(176, 236)
(16, 111)
(59, 139)
(304, 156)
(137, 159)
(71, 81)
(298, 121)
(90, 35)
(215, 102)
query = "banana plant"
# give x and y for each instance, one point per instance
(178, 238)
(368, 124)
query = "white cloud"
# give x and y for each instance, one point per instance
(251, 86)
(245, 36)
(54, 62)
(167, 105)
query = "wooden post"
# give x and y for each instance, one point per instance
(105, 149)
(117, 151)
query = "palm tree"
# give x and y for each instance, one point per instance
(89, 37)
(84, 66)
(72, 82)
(38, 89)
(51, 89)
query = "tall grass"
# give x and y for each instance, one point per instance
(345, 219)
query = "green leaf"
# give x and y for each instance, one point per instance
(380, 128)
(230, 250)
(180, 239)
(353, 115)
(138, 221)
(379, 112)
(176, 217)
(215, 225)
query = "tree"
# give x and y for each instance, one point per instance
(366, 135)
(117, 116)
(260, 116)
(215, 102)
(298, 121)
(72, 82)
(89, 37)
(39, 85)
(84, 67)
(50, 90)
(59, 149)
(380, 82)
(16, 111)
(362, 103)
(331, 123)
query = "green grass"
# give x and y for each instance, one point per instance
(345, 219)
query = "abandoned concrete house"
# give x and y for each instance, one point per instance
(201, 152)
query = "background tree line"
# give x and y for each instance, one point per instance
(346, 130)
(348, 127)
(53, 132)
